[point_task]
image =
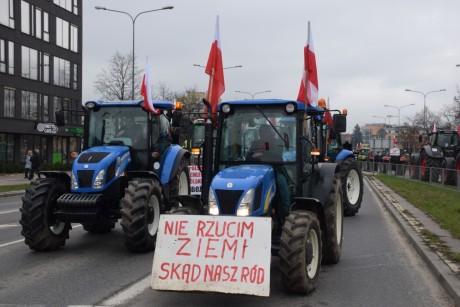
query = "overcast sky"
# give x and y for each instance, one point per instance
(367, 52)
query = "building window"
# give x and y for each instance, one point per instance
(46, 68)
(45, 108)
(57, 105)
(9, 102)
(6, 56)
(29, 104)
(61, 72)
(6, 147)
(74, 38)
(7, 13)
(34, 21)
(46, 28)
(11, 58)
(29, 63)
(2, 56)
(70, 5)
(75, 77)
(25, 17)
(62, 33)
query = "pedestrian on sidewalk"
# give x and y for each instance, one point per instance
(36, 162)
(28, 165)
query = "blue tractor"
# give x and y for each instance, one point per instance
(128, 170)
(262, 161)
(328, 139)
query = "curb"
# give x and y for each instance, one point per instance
(443, 270)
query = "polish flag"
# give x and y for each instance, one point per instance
(310, 74)
(215, 70)
(146, 89)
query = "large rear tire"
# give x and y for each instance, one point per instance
(333, 211)
(428, 166)
(352, 186)
(141, 208)
(448, 176)
(41, 230)
(179, 185)
(300, 252)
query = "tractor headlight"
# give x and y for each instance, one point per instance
(245, 207)
(99, 181)
(213, 208)
(73, 182)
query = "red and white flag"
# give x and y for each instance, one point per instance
(310, 74)
(215, 70)
(146, 89)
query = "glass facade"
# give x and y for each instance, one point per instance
(47, 79)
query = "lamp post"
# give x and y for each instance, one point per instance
(252, 95)
(399, 111)
(133, 19)
(384, 118)
(424, 102)
(237, 66)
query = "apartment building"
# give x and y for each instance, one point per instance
(40, 73)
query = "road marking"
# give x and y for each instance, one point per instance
(11, 243)
(10, 211)
(127, 294)
(9, 225)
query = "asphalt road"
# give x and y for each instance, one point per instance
(378, 268)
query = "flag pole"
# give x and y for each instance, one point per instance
(211, 82)
(307, 66)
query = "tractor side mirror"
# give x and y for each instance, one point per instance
(340, 122)
(60, 119)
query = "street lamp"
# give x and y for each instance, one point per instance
(399, 111)
(237, 66)
(424, 102)
(384, 118)
(252, 95)
(133, 19)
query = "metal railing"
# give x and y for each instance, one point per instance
(448, 177)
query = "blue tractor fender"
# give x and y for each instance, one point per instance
(345, 153)
(172, 158)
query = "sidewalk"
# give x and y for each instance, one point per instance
(410, 219)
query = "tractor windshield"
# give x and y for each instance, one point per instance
(258, 134)
(118, 126)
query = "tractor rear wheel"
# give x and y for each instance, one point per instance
(141, 208)
(428, 166)
(179, 185)
(300, 252)
(352, 186)
(41, 230)
(448, 175)
(333, 211)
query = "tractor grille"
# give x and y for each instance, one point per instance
(85, 177)
(92, 157)
(228, 200)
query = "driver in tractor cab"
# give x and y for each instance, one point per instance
(160, 146)
(130, 130)
(268, 148)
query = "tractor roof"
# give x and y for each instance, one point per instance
(159, 104)
(300, 105)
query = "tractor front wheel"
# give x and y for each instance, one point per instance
(352, 186)
(141, 208)
(41, 230)
(300, 252)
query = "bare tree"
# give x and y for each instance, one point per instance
(115, 82)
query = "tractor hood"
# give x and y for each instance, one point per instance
(96, 168)
(230, 186)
